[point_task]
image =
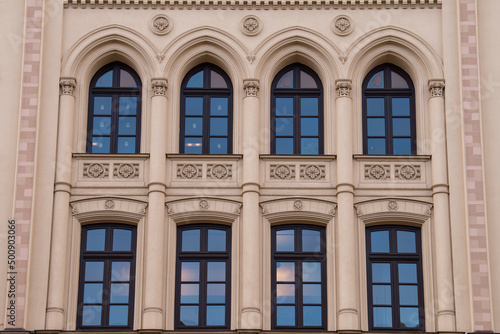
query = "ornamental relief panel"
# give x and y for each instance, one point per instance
(408, 172)
(106, 170)
(205, 171)
(282, 171)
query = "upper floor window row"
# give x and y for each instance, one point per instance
(206, 111)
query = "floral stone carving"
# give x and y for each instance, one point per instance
(342, 25)
(251, 25)
(282, 172)
(376, 172)
(160, 24)
(219, 172)
(95, 170)
(407, 172)
(189, 172)
(126, 171)
(312, 172)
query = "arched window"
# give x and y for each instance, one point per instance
(296, 112)
(388, 112)
(206, 111)
(114, 121)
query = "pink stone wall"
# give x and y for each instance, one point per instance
(474, 167)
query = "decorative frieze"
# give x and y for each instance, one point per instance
(251, 87)
(67, 86)
(110, 168)
(396, 171)
(203, 209)
(287, 209)
(436, 88)
(344, 88)
(383, 209)
(159, 86)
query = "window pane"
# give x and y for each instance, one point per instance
(285, 241)
(284, 106)
(216, 293)
(381, 272)
(376, 127)
(376, 146)
(286, 81)
(284, 126)
(401, 127)
(218, 126)
(402, 146)
(312, 293)
(118, 315)
(218, 106)
(192, 145)
(406, 242)
(92, 293)
(126, 126)
(119, 293)
(216, 315)
(94, 271)
(216, 240)
(408, 295)
(309, 146)
(190, 271)
(285, 315)
(216, 80)
(307, 81)
(126, 79)
(194, 106)
(105, 80)
(190, 293)
(95, 240)
(401, 106)
(122, 240)
(126, 145)
(407, 272)
(377, 81)
(284, 145)
(311, 271)
(102, 105)
(375, 106)
(102, 125)
(216, 271)
(194, 126)
(309, 106)
(312, 315)
(380, 241)
(311, 241)
(191, 241)
(409, 317)
(196, 80)
(128, 105)
(398, 81)
(189, 316)
(285, 293)
(285, 271)
(309, 126)
(100, 144)
(382, 317)
(120, 271)
(91, 315)
(382, 295)
(218, 146)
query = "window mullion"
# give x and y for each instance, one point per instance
(205, 135)
(296, 125)
(388, 125)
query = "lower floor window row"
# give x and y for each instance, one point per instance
(298, 277)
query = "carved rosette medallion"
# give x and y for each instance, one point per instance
(344, 88)
(67, 85)
(219, 172)
(189, 172)
(407, 172)
(312, 172)
(109, 204)
(95, 170)
(251, 25)
(159, 86)
(392, 206)
(203, 205)
(161, 24)
(251, 87)
(297, 205)
(377, 172)
(126, 171)
(342, 25)
(282, 172)
(436, 88)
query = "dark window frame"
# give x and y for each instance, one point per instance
(297, 93)
(206, 93)
(298, 258)
(388, 93)
(395, 258)
(203, 256)
(115, 92)
(107, 256)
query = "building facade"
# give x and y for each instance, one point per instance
(250, 166)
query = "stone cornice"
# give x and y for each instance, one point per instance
(260, 4)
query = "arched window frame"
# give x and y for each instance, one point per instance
(387, 93)
(297, 93)
(115, 92)
(206, 93)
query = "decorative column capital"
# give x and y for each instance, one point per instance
(436, 87)
(159, 86)
(343, 87)
(67, 86)
(251, 87)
